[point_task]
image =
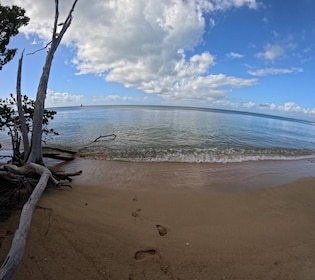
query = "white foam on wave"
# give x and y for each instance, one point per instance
(199, 157)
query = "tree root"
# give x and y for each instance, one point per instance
(66, 176)
(16, 252)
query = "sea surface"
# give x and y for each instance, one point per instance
(180, 134)
(157, 147)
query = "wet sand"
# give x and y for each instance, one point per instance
(173, 221)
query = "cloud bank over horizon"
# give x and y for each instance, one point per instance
(60, 99)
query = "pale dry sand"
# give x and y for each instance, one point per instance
(111, 228)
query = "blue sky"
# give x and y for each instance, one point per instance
(246, 55)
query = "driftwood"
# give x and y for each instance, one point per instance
(32, 171)
(65, 176)
(57, 156)
(21, 176)
(27, 177)
(15, 255)
(54, 153)
(61, 150)
(57, 153)
(105, 136)
(16, 252)
(98, 139)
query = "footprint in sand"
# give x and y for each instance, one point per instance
(136, 213)
(141, 255)
(161, 230)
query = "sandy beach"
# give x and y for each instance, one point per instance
(173, 221)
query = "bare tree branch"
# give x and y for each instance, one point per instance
(26, 145)
(40, 49)
(105, 136)
(36, 141)
(54, 34)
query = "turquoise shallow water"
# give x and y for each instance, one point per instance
(176, 134)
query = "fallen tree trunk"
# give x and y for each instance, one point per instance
(58, 156)
(58, 153)
(59, 150)
(15, 255)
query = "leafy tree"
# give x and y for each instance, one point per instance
(11, 19)
(10, 121)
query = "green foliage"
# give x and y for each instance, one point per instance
(9, 118)
(11, 19)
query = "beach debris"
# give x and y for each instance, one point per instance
(141, 255)
(58, 153)
(187, 244)
(108, 137)
(162, 230)
(105, 136)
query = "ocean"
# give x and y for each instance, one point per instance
(181, 134)
(185, 148)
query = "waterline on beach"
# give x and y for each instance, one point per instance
(166, 176)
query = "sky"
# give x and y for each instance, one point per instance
(248, 55)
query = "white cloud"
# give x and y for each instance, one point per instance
(211, 22)
(234, 55)
(141, 44)
(56, 99)
(274, 71)
(226, 4)
(115, 99)
(288, 107)
(291, 107)
(112, 98)
(272, 52)
(62, 98)
(265, 19)
(249, 104)
(282, 47)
